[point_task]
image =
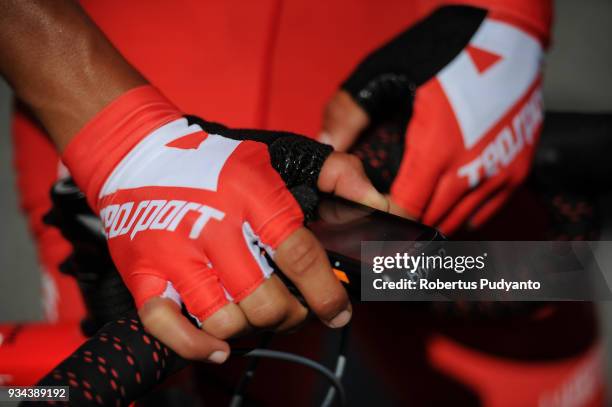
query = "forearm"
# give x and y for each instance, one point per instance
(60, 64)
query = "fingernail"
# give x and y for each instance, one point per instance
(325, 138)
(341, 319)
(218, 357)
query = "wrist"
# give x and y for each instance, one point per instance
(99, 146)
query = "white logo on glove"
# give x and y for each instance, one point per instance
(156, 214)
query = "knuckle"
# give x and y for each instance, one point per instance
(354, 161)
(148, 318)
(224, 325)
(267, 314)
(338, 110)
(152, 313)
(356, 166)
(303, 255)
(350, 165)
(223, 328)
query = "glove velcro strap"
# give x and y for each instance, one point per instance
(101, 144)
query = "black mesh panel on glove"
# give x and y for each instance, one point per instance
(388, 77)
(296, 158)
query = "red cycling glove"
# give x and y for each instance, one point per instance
(468, 84)
(188, 214)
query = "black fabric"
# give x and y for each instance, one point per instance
(389, 76)
(296, 158)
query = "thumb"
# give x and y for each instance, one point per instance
(343, 175)
(343, 120)
(396, 209)
(162, 318)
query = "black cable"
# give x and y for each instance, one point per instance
(300, 360)
(249, 373)
(340, 365)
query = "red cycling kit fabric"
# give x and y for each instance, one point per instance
(274, 64)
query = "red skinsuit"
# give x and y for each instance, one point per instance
(267, 64)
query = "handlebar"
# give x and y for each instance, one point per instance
(119, 364)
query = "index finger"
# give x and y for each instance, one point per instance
(304, 261)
